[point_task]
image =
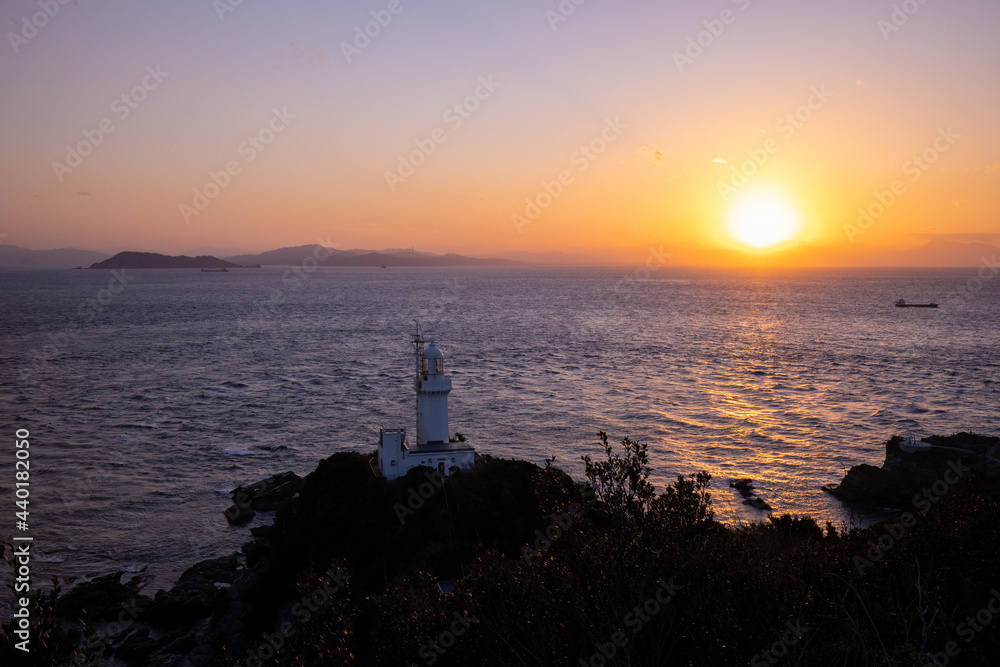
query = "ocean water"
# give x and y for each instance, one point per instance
(151, 395)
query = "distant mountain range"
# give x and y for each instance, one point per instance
(554, 258)
(63, 258)
(333, 257)
(943, 252)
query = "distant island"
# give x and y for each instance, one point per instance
(152, 260)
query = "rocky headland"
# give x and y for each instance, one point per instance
(905, 476)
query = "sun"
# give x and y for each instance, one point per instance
(762, 219)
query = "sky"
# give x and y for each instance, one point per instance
(480, 128)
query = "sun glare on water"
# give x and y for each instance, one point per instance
(762, 219)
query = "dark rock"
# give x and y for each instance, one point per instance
(182, 645)
(192, 598)
(757, 502)
(269, 494)
(744, 486)
(262, 532)
(137, 647)
(195, 596)
(222, 569)
(256, 551)
(240, 514)
(203, 652)
(167, 660)
(102, 598)
(904, 475)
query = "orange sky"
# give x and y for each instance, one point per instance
(639, 122)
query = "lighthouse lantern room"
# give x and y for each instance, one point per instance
(433, 447)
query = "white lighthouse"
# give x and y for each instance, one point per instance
(432, 397)
(433, 447)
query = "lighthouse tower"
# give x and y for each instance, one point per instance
(433, 447)
(432, 397)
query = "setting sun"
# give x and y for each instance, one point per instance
(762, 219)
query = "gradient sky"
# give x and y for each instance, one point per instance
(324, 174)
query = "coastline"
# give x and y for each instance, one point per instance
(526, 517)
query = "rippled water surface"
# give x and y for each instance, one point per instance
(146, 406)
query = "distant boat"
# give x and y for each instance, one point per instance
(204, 270)
(902, 304)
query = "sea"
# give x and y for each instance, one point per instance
(149, 395)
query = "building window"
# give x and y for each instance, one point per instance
(441, 466)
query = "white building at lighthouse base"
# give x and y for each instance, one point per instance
(395, 459)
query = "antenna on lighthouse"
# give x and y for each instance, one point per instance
(418, 344)
(418, 352)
